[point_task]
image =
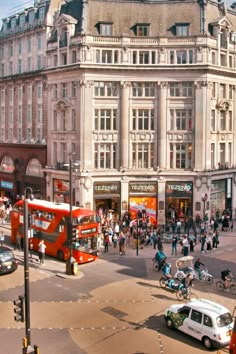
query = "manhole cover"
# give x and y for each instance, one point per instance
(114, 312)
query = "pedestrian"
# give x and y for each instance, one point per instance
(2, 237)
(208, 242)
(232, 226)
(42, 248)
(203, 241)
(178, 226)
(154, 238)
(122, 244)
(174, 245)
(185, 245)
(31, 246)
(191, 242)
(18, 242)
(106, 242)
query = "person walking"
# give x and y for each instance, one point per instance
(203, 241)
(174, 245)
(18, 242)
(191, 242)
(122, 244)
(185, 245)
(2, 237)
(106, 242)
(42, 248)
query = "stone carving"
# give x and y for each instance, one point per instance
(223, 105)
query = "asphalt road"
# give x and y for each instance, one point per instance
(114, 305)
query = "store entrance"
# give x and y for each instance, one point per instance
(108, 205)
(179, 208)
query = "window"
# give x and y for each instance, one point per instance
(29, 47)
(39, 113)
(73, 119)
(31, 17)
(29, 63)
(181, 119)
(73, 89)
(109, 89)
(143, 155)
(187, 89)
(213, 91)
(143, 119)
(20, 114)
(39, 42)
(10, 51)
(213, 120)
(11, 95)
(22, 21)
(64, 90)
(142, 30)
(39, 62)
(105, 119)
(55, 93)
(143, 57)
(196, 316)
(39, 91)
(2, 69)
(64, 59)
(181, 56)
(231, 90)
(182, 30)
(13, 23)
(180, 155)
(230, 121)
(105, 29)
(174, 89)
(143, 89)
(29, 113)
(222, 120)
(213, 58)
(19, 47)
(222, 92)
(222, 153)
(207, 321)
(54, 120)
(230, 154)
(41, 13)
(107, 56)
(104, 156)
(212, 155)
(74, 59)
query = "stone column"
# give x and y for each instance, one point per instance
(202, 149)
(161, 125)
(124, 126)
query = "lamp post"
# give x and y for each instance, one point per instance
(204, 199)
(26, 266)
(70, 260)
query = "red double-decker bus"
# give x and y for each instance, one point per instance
(49, 221)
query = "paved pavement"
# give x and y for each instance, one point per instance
(115, 305)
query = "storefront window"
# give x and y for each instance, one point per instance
(7, 165)
(179, 200)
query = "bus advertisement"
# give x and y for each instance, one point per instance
(48, 221)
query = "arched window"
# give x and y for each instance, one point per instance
(34, 168)
(7, 165)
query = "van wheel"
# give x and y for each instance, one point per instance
(169, 323)
(60, 255)
(207, 343)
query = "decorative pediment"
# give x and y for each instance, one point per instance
(223, 105)
(65, 20)
(223, 22)
(62, 105)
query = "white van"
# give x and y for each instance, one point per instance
(202, 319)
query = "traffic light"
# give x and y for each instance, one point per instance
(19, 309)
(74, 234)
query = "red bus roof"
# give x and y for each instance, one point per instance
(51, 207)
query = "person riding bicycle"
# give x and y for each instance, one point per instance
(197, 267)
(226, 276)
(160, 258)
(166, 270)
(187, 282)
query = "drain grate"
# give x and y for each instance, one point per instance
(114, 312)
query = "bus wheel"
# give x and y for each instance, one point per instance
(60, 255)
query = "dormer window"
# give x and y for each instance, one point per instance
(13, 23)
(141, 29)
(105, 28)
(22, 20)
(41, 13)
(182, 29)
(31, 17)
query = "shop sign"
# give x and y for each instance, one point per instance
(136, 188)
(100, 188)
(7, 185)
(179, 188)
(60, 186)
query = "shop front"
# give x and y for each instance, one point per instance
(221, 200)
(107, 199)
(6, 190)
(179, 200)
(143, 196)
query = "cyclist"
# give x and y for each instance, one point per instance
(187, 282)
(160, 258)
(197, 267)
(226, 276)
(166, 270)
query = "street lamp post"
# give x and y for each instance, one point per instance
(26, 266)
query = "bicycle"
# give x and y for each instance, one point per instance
(205, 276)
(220, 286)
(185, 293)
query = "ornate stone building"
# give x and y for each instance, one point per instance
(142, 96)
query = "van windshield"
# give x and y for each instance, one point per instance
(6, 256)
(224, 320)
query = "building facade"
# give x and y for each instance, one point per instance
(140, 97)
